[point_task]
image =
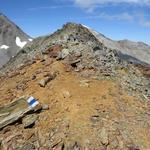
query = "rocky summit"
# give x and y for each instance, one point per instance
(87, 95)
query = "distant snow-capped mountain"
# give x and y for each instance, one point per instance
(12, 39)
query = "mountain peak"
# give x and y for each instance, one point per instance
(73, 26)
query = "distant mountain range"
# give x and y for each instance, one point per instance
(12, 39)
(138, 50)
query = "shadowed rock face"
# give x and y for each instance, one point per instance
(9, 46)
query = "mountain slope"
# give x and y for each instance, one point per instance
(12, 39)
(138, 50)
(79, 47)
(97, 101)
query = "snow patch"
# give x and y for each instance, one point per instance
(4, 47)
(20, 43)
(30, 40)
(85, 26)
(90, 29)
(93, 31)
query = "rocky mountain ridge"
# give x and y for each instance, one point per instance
(77, 46)
(137, 53)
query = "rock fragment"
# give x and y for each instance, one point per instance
(45, 81)
(45, 107)
(66, 94)
(29, 120)
(28, 146)
(33, 77)
(94, 118)
(64, 53)
(84, 83)
(104, 136)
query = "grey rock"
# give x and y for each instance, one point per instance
(104, 136)
(28, 146)
(64, 53)
(44, 82)
(16, 110)
(45, 107)
(29, 120)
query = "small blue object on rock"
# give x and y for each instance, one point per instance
(32, 102)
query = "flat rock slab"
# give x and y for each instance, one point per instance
(13, 112)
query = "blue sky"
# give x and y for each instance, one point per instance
(117, 19)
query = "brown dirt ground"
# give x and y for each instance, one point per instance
(72, 105)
